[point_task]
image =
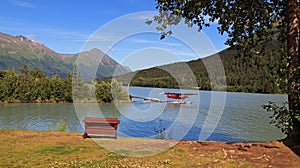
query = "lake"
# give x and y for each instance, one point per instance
(240, 119)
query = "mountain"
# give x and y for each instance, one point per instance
(95, 59)
(16, 51)
(244, 72)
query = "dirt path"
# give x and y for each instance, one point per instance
(267, 154)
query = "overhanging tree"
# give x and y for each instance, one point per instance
(245, 21)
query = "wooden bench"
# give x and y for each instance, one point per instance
(100, 126)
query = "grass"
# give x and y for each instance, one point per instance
(62, 149)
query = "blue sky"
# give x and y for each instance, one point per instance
(73, 26)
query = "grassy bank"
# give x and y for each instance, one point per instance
(53, 149)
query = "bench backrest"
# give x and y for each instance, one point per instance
(92, 122)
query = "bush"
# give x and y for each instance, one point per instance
(63, 126)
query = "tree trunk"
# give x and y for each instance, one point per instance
(293, 69)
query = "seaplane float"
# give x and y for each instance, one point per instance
(179, 97)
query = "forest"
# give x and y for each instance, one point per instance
(33, 86)
(251, 71)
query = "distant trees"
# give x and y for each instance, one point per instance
(244, 73)
(33, 86)
(107, 92)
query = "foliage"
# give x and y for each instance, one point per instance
(108, 92)
(63, 126)
(239, 19)
(103, 92)
(117, 92)
(34, 86)
(80, 88)
(280, 117)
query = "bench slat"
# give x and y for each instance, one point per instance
(101, 128)
(101, 132)
(101, 120)
(97, 131)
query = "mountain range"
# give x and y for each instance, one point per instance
(16, 51)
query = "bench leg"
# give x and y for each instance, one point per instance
(84, 135)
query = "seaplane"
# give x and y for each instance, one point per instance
(177, 96)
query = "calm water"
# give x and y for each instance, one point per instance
(242, 119)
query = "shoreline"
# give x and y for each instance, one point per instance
(60, 102)
(127, 101)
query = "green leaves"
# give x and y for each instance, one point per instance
(36, 87)
(281, 116)
(239, 19)
(103, 92)
(108, 92)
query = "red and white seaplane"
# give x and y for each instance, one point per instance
(177, 96)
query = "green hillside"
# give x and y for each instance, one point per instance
(245, 72)
(16, 51)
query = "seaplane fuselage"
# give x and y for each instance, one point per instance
(176, 96)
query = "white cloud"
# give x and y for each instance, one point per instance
(188, 54)
(156, 42)
(141, 16)
(109, 37)
(24, 4)
(65, 34)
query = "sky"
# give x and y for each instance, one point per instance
(117, 27)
